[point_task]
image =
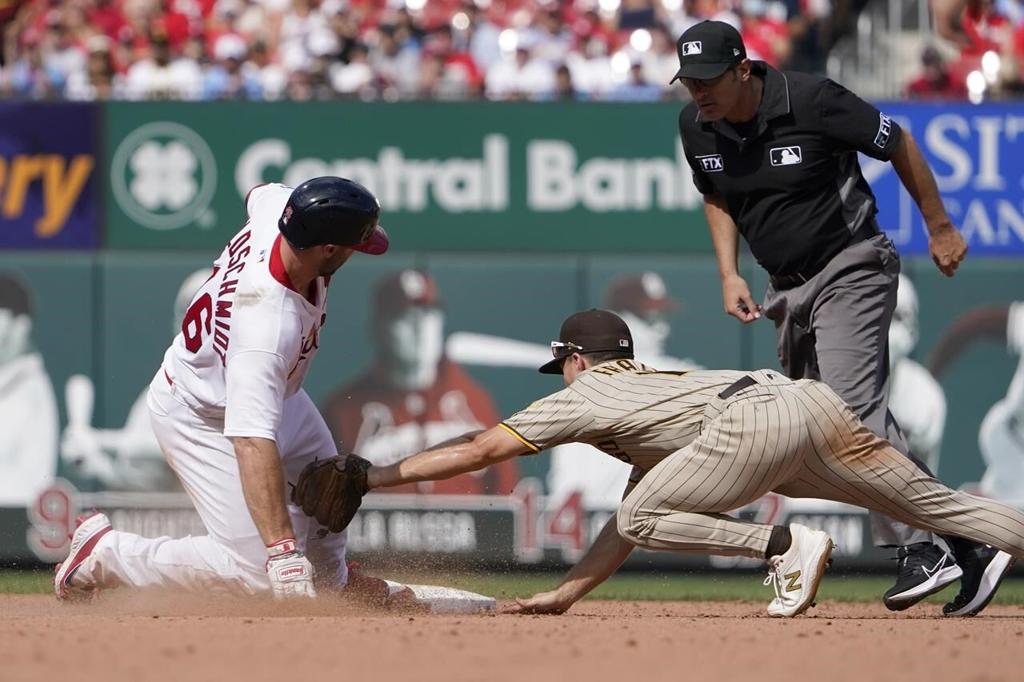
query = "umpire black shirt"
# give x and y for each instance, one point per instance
(790, 176)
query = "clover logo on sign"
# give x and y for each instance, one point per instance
(163, 176)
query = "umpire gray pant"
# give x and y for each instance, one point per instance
(835, 328)
(797, 438)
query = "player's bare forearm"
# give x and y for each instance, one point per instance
(457, 440)
(486, 448)
(601, 560)
(259, 467)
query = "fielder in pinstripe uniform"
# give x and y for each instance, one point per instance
(702, 443)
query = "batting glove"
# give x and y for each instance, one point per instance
(291, 574)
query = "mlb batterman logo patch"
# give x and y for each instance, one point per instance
(785, 156)
(692, 47)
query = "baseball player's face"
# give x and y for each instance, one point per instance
(571, 367)
(15, 331)
(333, 258)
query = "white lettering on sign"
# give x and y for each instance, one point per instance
(402, 184)
(558, 181)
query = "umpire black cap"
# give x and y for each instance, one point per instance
(589, 331)
(332, 210)
(707, 49)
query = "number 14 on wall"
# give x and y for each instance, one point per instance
(544, 523)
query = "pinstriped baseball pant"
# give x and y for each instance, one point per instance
(799, 439)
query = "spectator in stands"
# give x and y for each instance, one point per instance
(549, 38)
(520, 76)
(227, 79)
(31, 75)
(765, 32)
(565, 90)
(61, 48)
(935, 81)
(272, 77)
(356, 77)
(591, 66)
(161, 77)
(395, 63)
(483, 37)
(99, 80)
(636, 88)
(986, 29)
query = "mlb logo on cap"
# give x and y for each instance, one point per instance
(707, 49)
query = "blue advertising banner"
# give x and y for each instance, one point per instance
(977, 154)
(48, 197)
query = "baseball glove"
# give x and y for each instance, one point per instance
(331, 490)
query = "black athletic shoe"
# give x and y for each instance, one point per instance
(984, 568)
(924, 568)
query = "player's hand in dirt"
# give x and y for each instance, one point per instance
(291, 574)
(542, 602)
(948, 248)
(738, 301)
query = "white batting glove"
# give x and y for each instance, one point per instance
(291, 574)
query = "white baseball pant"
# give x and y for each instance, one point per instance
(231, 558)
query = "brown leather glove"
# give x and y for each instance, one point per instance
(331, 490)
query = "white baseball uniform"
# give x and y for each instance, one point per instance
(235, 370)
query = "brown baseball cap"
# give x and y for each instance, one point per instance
(589, 331)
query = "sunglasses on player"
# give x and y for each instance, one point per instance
(563, 349)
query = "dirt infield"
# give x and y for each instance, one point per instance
(125, 639)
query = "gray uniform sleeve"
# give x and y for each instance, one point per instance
(562, 417)
(855, 124)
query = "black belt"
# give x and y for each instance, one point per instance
(737, 386)
(780, 282)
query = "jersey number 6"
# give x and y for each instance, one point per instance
(198, 317)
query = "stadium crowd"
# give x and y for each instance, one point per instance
(619, 50)
(381, 49)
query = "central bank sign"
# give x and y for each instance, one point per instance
(496, 177)
(467, 176)
(557, 178)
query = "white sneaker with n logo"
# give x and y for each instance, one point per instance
(796, 573)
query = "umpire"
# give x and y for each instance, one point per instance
(775, 156)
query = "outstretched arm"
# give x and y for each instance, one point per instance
(447, 460)
(601, 560)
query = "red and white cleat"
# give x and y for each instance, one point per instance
(90, 528)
